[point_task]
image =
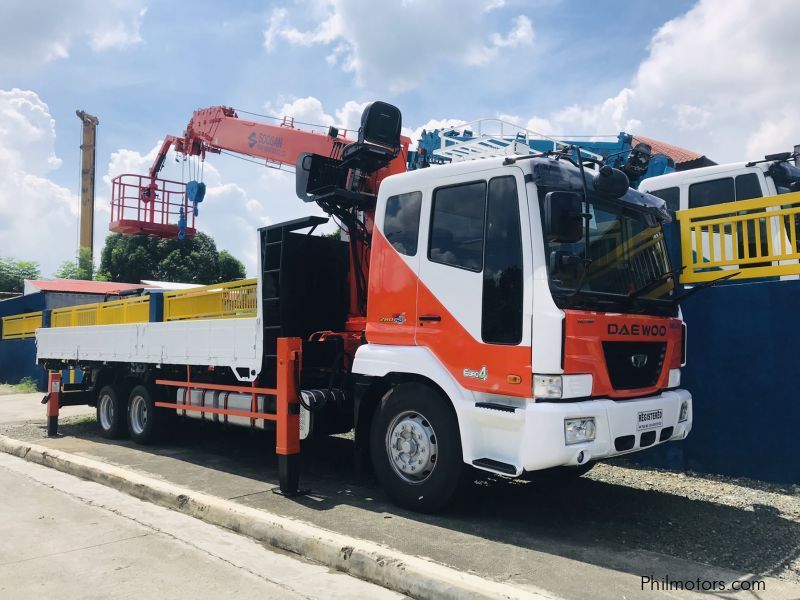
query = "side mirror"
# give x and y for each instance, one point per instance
(563, 217)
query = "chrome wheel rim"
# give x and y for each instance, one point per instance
(106, 412)
(138, 414)
(411, 446)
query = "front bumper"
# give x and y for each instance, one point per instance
(532, 437)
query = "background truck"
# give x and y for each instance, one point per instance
(728, 199)
(515, 314)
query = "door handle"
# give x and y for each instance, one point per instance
(431, 318)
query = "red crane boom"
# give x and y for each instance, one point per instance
(340, 174)
(147, 205)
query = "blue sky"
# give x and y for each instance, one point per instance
(685, 72)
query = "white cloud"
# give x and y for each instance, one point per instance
(38, 31)
(349, 115)
(709, 83)
(38, 218)
(392, 47)
(431, 125)
(305, 110)
(494, 5)
(520, 35)
(310, 110)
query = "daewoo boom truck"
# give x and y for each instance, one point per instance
(512, 313)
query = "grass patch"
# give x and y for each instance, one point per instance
(27, 385)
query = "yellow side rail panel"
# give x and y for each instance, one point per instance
(759, 237)
(130, 310)
(222, 300)
(17, 327)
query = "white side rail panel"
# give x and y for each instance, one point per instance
(234, 343)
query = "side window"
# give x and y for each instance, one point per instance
(401, 222)
(672, 196)
(711, 192)
(501, 321)
(457, 217)
(748, 187)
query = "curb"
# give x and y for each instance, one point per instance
(411, 575)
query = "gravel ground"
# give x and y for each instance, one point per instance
(733, 523)
(766, 512)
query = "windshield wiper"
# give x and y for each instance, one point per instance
(576, 290)
(703, 286)
(647, 287)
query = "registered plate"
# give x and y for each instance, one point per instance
(650, 419)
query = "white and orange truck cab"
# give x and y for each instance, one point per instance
(514, 314)
(552, 352)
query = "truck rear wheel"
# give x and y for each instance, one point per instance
(143, 416)
(111, 404)
(416, 448)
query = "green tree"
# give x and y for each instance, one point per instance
(193, 260)
(81, 268)
(14, 272)
(230, 267)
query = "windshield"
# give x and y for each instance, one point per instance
(626, 263)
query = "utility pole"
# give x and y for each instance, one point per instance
(88, 160)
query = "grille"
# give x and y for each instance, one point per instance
(624, 359)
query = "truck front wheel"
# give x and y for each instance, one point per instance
(111, 412)
(416, 447)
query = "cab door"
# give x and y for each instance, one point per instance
(394, 264)
(474, 285)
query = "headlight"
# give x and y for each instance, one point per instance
(674, 378)
(684, 415)
(579, 430)
(547, 386)
(554, 387)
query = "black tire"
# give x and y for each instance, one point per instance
(111, 412)
(560, 473)
(414, 409)
(145, 421)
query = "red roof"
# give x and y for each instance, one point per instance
(79, 286)
(676, 153)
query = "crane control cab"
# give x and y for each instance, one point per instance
(514, 314)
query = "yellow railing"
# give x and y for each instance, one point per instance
(757, 237)
(221, 300)
(17, 327)
(130, 310)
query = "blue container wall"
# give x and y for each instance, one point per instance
(18, 357)
(742, 371)
(18, 360)
(22, 304)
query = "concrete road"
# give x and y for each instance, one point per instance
(594, 537)
(18, 408)
(63, 537)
